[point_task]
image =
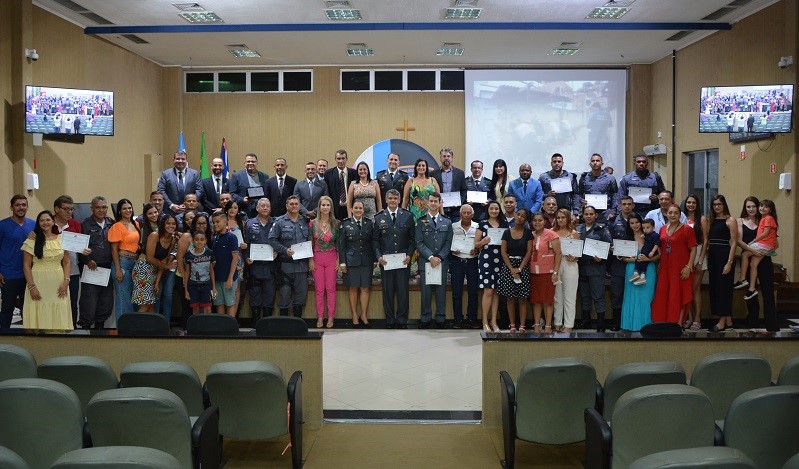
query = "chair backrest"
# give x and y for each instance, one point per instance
(764, 424)
(11, 460)
(551, 396)
(212, 324)
(634, 375)
(661, 330)
(85, 375)
(792, 463)
(715, 457)
(16, 362)
(660, 417)
(41, 419)
(725, 376)
(147, 324)
(112, 457)
(281, 326)
(149, 417)
(252, 399)
(176, 377)
(789, 373)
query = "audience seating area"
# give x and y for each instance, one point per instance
(73, 412)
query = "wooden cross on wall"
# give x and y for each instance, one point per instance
(405, 129)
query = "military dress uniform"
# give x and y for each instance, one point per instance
(356, 251)
(393, 234)
(478, 185)
(387, 181)
(433, 238)
(283, 234)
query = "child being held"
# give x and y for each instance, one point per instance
(764, 244)
(648, 250)
(199, 281)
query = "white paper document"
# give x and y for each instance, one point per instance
(496, 236)
(239, 237)
(302, 250)
(625, 248)
(74, 242)
(98, 276)
(476, 197)
(394, 261)
(462, 243)
(596, 248)
(432, 275)
(640, 195)
(598, 201)
(571, 246)
(262, 252)
(255, 191)
(561, 185)
(451, 199)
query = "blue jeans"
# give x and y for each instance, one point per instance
(163, 302)
(123, 290)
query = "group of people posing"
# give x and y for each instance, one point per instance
(523, 240)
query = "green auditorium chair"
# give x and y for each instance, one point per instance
(85, 375)
(648, 420)
(155, 418)
(546, 404)
(764, 424)
(709, 457)
(176, 377)
(11, 460)
(212, 324)
(792, 463)
(40, 419)
(113, 457)
(16, 362)
(252, 397)
(789, 374)
(142, 324)
(634, 375)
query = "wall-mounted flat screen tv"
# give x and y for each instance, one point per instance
(751, 108)
(68, 111)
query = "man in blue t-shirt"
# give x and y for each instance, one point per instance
(13, 232)
(226, 251)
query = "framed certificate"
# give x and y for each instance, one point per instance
(561, 185)
(74, 242)
(462, 243)
(496, 236)
(625, 248)
(571, 246)
(596, 248)
(476, 197)
(262, 252)
(640, 195)
(598, 201)
(255, 192)
(451, 199)
(394, 261)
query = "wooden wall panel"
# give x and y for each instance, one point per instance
(6, 79)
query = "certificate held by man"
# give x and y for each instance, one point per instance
(394, 261)
(451, 199)
(74, 242)
(255, 192)
(640, 195)
(262, 252)
(476, 197)
(432, 275)
(596, 248)
(561, 185)
(462, 244)
(598, 201)
(98, 276)
(302, 250)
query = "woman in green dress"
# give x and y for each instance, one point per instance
(417, 189)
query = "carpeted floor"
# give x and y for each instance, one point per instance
(401, 446)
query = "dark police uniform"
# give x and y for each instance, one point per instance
(261, 277)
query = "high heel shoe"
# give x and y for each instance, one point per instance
(486, 327)
(365, 324)
(547, 329)
(494, 328)
(319, 323)
(330, 322)
(512, 328)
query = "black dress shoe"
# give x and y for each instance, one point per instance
(366, 325)
(389, 326)
(441, 325)
(585, 324)
(716, 328)
(356, 325)
(402, 326)
(424, 325)
(615, 328)
(457, 325)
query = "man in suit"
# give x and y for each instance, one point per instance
(394, 234)
(241, 181)
(212, 187)
(527, 191)
(391, 178)
(176, 182)
(310, 190)
(476, 182)
(450, 179)
(338, 180)
(433, 240)
(321, 168)
(280, 187)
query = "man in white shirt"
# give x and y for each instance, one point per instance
(463, 265)
(665, 199)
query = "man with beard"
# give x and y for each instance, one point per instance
(643, 178)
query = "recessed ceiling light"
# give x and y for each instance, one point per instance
(343, 13)
(462, 13)
(201, 17)
(562, 51)
(188, 6)
(607, 13)
(242, 51)
(450, 48)
(359, 49)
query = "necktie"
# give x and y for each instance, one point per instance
(434, 222)
(359, 225)
(392, 178)
(280, 185)
(342, 191)
(394, 218)
(525, 188)
(181, 186)
(218, 186)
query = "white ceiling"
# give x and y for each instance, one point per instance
(493, 44)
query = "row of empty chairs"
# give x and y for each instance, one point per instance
(150, 324)
(160, 405)
(560, 401)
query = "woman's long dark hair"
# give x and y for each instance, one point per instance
(147, 229)
(630, 233)
(368, 171)
(503, 223)
(118, 215)
(697, 217)
(494, 177)
(756, 201)
(239, 222)
(38, 245)
(162, 234)
(426, 167)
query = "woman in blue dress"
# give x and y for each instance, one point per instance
(636, 308)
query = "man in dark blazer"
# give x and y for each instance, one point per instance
(336, 190)
(394, 233)
(450, 179)
(279, 187)
(212, 187)
(477, 183)
(240, 181)
(310, 190)
(391, 178)
(433, 240)
(176, 182)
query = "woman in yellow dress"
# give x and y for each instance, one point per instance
(47, 272)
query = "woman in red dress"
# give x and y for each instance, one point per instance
(674, 287)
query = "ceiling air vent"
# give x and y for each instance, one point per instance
(464, 3)
(134, 38)
(96, 18)
(69, 4)
(337, 4)
(723, 11)
(739, 3)
(188, 6)
(678, 36)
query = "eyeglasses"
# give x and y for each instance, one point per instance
(67, 209)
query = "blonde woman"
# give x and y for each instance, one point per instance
(324, 265)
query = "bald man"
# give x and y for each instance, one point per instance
(212, 187)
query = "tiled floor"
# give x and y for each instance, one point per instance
(402, 370)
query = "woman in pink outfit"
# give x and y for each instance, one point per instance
(324, 264)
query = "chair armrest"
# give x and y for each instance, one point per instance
(600, 398)
(294, 390)
(206, 397)
(87, 436)
(508, 394)
(598, 440)
(206, 444)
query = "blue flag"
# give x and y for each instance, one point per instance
(181, 143)
(223, 156)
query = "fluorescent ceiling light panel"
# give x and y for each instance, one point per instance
(563, 51)
(343, 13)
(450, 48)
(462, 13)
(607, 13)
(188, 6)
(359, 49)
(201, 17)
(242, 51)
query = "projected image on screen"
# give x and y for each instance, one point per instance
(51, 110)
(524, 116)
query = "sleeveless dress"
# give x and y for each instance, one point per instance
(636, 308)
(51, 312)
(516, 249)
(490, 261)
(718, 251)
(367, 195)
(672, 293)
(418, 195)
